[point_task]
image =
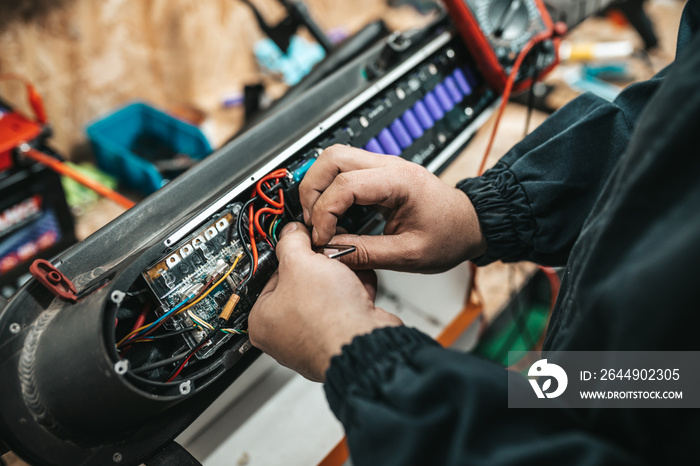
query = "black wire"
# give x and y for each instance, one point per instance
(159, 364)
(171, 334)
(248, 250)
(207, 338)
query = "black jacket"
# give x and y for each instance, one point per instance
(612, 191)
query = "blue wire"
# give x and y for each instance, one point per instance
(164, 316)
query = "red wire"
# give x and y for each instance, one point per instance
(545, 35)
(141, 319)
(184, 363)
(507, 90)
(251, 232)
(253, 217)
(275, 175)
(262, 211)
(179, 369)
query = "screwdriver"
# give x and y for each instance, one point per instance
(334, 251)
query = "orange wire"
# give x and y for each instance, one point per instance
(262, 211)
(63, 169)
(548, 271)
(275, 175)
(253, 246)
(507, 90)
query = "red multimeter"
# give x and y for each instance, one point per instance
(496, 31)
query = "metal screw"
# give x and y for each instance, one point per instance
(400, 93)
(117, 457)
(450, 53)
(15, 327)
(468, 111)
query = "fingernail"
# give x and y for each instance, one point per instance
(290, 227)
(306, 215)
(314, 236)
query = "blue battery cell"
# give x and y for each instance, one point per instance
(472, 78)
(423, 115)
(412, 124)
(453, 90)
(388, 143)
(373, 146)
(431, 102)
(444, 98)
(400, 133)
(462, 82)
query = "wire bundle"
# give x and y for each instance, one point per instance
(142, 332)
(273, 207)
(263, 222)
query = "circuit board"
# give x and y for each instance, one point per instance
(200, 261)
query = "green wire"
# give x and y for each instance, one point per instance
(274, 230)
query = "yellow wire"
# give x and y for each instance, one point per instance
(272, 223)
(213, 286)
(134, 332)
(199, 321)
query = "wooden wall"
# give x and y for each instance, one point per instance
(87, 57)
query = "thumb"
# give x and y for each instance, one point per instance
(394, 252)
(295, 241)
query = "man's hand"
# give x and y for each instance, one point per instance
(432, 227)
(311, 307)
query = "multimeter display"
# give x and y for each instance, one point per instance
(508, 24)
(496, 31)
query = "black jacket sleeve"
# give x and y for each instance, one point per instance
(532, 204)
(404, 400)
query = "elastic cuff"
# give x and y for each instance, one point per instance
(366, 362)
(504, 214)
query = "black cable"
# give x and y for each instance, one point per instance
(189, 354)
(248, 250)
(159, 364)
(172, 334)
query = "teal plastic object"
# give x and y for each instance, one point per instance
(300, 58)
(127, 142)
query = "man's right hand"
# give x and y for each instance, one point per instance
(432, 227)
